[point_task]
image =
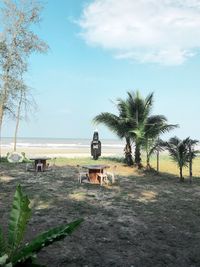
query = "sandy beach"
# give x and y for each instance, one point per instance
(63, 153)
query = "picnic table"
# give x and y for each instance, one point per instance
(40, 160)
(93, 171)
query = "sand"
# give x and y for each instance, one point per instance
(64, 153)
(141, 220)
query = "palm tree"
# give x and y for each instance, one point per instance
(145, 127)
(138, 112)
(120, 125)
(134, 123)
(180, 152)
(154, 127)
(192, 154)
(156, 146)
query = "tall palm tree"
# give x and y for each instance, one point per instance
(120, 125)
(138, 112)
(179, 152)
(134, 123)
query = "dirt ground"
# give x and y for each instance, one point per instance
(142, 220)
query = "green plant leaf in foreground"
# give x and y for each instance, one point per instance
(19, 217)
(45, 239)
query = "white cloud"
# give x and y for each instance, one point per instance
(158, 31)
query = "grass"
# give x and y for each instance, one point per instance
(166, 164)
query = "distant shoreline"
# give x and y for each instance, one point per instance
(62, 147)
(62, 153)
(29, 152)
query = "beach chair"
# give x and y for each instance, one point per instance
(51, 166)
(111, 174)
(39, 166)
(103, 178)
(82, 174)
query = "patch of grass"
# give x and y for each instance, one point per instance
(3, 160)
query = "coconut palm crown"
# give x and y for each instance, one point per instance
(134, 122)
(179, 151)
(146, 128)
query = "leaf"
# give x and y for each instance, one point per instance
(19, 217)
(45, 239)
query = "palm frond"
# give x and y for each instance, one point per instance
(113, 122)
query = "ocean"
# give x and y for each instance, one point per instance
(61, 146)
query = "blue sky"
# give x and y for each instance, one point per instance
(99, 50)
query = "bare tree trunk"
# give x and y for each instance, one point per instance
(1, 121)
(17, 120)
(190, 163)
(3, 103)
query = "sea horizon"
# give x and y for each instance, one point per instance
(46, 145)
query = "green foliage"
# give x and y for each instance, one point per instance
(179, 151)
(135, 123)
(14, 253)
(19, 217)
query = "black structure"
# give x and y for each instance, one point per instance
(95, 146)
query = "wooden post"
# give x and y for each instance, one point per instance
(190, 163)
(157, 155)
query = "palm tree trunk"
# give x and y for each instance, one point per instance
(148, 167)
(138, 156)
(128, 152)
(181, 174)
(148, 162)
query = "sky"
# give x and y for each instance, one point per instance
(100, 50)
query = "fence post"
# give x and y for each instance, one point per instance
(157, 156)
(190, 163)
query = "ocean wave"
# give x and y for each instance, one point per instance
(58, 146)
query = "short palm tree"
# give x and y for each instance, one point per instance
(145, 127)
(179, 151)
(154, 127)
